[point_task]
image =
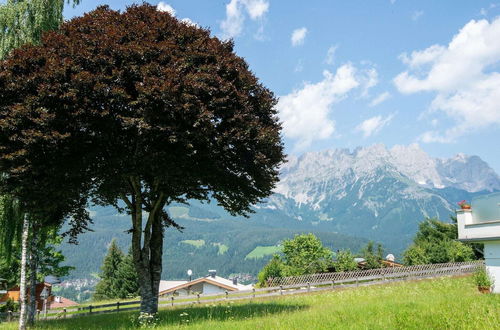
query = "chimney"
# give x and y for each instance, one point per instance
(212, 273)
(235, 280)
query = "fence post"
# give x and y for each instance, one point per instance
(308, 286)
(172, 299)
(64, 313)
(9, 316)
(38, 315)
(90, 309)
(253, 290)
(198, 297)
(357, 280)
(281, 289)
(333, 283)
(227, 294)
(117, 305)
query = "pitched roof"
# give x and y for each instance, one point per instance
(165, 285)
(62, 303)
(217, 281)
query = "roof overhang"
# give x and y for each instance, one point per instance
(482, 239)
(200, 280)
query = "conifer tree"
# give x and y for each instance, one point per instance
(109, 286)
(127, 277)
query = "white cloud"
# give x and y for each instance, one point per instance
(370, 80)
(305, 112)
(232, 26)
(373, 125)
(162, 6)
(188, 21)
(330, 54)
(484, 11)
(382, 97)
(417, 14)
(464, 75)
(298, 36)
(256, 8)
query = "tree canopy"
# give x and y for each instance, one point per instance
(303, 254)
(435, 242)
(141, 108)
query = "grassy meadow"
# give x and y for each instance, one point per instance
(444, 303)
(262, 251)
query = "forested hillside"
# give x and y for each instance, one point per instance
(209, 241)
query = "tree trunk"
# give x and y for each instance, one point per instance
(22, 286)
(149, 267)
(147, 246)
(33, 273)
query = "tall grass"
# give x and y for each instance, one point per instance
(445, 303)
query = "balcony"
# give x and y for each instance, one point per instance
(482, 222)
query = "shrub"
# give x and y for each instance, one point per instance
(344, 261)
(482, 278)
(274, 268)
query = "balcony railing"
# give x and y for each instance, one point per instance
(486, 208)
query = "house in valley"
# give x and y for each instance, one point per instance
(210, 284)
(52, 301)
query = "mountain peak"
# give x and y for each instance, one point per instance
(338, 168)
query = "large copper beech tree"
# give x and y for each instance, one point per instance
(137, 110)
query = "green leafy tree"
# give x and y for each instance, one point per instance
(127, 278)
(274, 268)
(415, 255)
(344, 261)
(372, 258)
(23, 22)
(477, 248)
(110, 284)
(11, 221)
(136, 109)
(305, 254)
(435, 242)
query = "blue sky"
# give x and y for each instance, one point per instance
(355, 73)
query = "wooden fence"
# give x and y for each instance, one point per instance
(278, 287)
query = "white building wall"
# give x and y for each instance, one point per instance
(211, 289)
(492, 261)
(470, 228)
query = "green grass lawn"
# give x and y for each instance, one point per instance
(261, 251)
(446, 303)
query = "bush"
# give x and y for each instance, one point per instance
(482, 278)
(10, 305)
(345, 262)
(273, 269)
(305, 254)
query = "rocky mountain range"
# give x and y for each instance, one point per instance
(346, 197)
(376, 192)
